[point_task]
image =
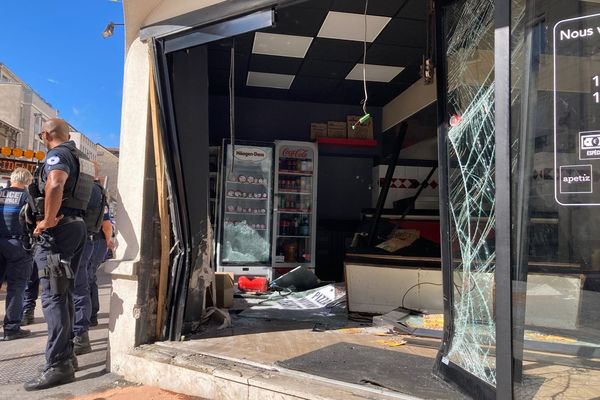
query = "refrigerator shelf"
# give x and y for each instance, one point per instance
(244, 213)
(246, 198)
(289, 211)
(249, 184)
(297, 173)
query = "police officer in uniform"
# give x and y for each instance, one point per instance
(15, 259)
(86, 301)
(61, 189)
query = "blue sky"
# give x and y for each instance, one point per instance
(57, 48)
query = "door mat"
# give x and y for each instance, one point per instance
(370, 366)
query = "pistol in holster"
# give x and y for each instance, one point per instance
(59, 273)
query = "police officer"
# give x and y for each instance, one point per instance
(61, 189)
(15, 259)
(85, 300)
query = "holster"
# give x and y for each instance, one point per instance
(59, 273)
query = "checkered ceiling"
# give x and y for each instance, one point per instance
(314, 47)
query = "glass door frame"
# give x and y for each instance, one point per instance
(503, 284)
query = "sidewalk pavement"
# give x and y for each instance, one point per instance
(19, 360)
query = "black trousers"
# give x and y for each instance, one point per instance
(66, 239)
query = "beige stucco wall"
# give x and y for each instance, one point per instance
(109, 168)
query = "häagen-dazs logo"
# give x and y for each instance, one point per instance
(253, 154)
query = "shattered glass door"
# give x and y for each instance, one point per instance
(468, 35)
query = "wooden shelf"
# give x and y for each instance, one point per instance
(347, 142)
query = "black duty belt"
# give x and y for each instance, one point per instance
(95, 236)
(67, 219)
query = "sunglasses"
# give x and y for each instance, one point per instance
(41, 135)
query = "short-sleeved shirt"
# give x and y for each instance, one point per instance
(60, 158)
(12, 201)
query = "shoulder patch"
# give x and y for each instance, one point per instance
(53, 160)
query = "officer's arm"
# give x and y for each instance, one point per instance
(107, 230)
(55, 184)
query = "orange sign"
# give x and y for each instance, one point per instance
(7, 165)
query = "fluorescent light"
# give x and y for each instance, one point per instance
(375, 73)
(348, 26)
(263, 79)
(273, 44)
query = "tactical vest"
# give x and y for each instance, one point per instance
(78, 187)
(11, 202)
(94, 214)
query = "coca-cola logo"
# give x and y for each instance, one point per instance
(250, 154)
(294, 152)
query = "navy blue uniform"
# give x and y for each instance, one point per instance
(82, 296)
(66, 239)
(15, 262)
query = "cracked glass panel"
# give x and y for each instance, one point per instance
(555, 131)
(471, 148)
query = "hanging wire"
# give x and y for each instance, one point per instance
(364, 102)
(232, 105)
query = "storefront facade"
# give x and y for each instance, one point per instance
(517, 148)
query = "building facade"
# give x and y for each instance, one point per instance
(84, 144)
(109, 170)
(22, 112)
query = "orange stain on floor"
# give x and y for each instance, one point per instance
(136, 393)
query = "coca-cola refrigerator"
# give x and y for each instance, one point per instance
(295, 206)
(246, 203)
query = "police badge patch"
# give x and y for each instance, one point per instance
(53, 160)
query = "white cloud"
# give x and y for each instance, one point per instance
(53, 81)
(76, 110)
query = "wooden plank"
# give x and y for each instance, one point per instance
(163, 207)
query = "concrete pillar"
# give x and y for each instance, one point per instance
(135, 211)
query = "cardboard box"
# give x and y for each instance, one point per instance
(364, 131)
(317, 130)
(224, 283)
(336, 129)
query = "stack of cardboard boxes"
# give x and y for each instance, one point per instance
(350, 129)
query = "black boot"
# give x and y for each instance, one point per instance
(12, 335)
(51, 377)
(27, 317)
(81, 344)
(73, 360)
(93, 321)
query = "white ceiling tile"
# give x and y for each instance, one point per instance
(348, 26)
(375, 73)
(263, 79)
(281, 45)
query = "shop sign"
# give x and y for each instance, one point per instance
(253, 154)
(295, 152)
(9, 165)
(576, 47)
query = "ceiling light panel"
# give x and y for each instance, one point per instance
(375, 73)
(348, 26)
(267, 80)
(273, 44)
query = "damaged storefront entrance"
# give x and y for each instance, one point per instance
(475, 215)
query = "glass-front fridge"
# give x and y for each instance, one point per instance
(244, 244)
(295, 206)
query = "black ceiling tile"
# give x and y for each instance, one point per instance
(403, 32)
(298, 21)
(349, 92)
(325, 69)
(386, 8)
(275, 64)
(415, 9)
(218, 59)
(263, 93)
(408, 76)
(335, 50)
(311, 89)
(323, 4)
(383, 54)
